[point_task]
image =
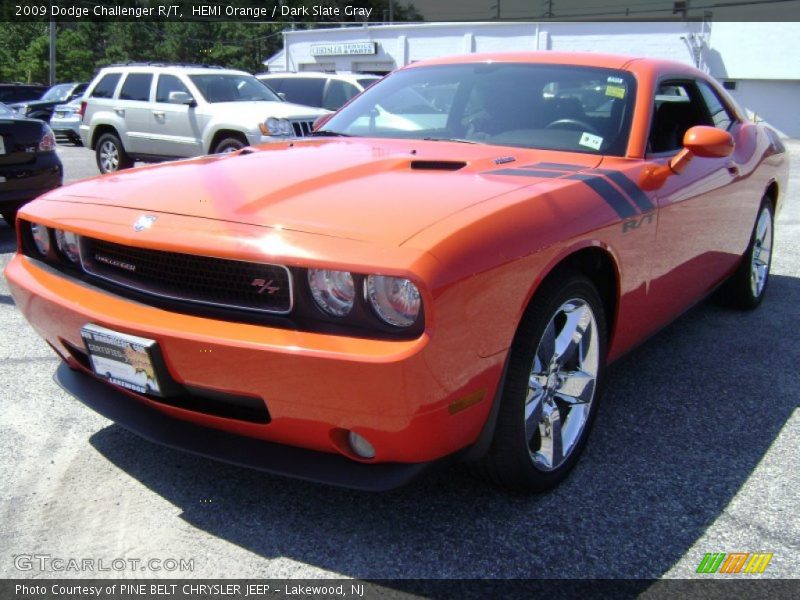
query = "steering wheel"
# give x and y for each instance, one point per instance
(571, 124)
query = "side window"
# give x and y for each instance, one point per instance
(136, 87)
(168, 84)
(304, 91)
(678, 106)
(337, 93)
(719, 113)
(106, 86)
(275, 84)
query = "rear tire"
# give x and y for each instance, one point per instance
(745, 289)
(552, 386)
(111, 155)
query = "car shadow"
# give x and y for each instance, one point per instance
(686, 419)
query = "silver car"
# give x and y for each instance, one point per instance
(153, 112)
(66, 121)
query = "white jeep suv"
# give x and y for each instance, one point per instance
(153, 112)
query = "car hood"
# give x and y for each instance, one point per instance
(369, 190)
(258, 111)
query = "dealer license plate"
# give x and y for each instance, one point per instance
(122, 359)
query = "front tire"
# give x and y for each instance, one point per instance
(747, 286)
(552, 386)
(230, 144)
(111, 155)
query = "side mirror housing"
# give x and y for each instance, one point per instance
(700, 140)
(181, 98)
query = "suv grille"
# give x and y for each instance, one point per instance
(302, 128)
(202, 279)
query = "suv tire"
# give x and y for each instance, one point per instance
(229, 144)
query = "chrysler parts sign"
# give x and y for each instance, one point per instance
(344, 49)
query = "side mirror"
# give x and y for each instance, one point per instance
(321, 120)
(282, 96)
(181, 98)
(700, 140)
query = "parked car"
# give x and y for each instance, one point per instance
(18, 92)
(324, 90)
(29, 165)
(158, 112)
(358, 305)
(43, 108)
(66, 121)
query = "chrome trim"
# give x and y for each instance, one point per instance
(203, 302)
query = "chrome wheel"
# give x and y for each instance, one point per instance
(762, 253)
(109, 156)
(561, 385)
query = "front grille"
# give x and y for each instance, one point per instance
(201, 279)
(302, 128)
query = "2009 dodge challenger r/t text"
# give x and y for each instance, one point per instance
(442, 270)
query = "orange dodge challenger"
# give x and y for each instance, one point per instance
(442, 269)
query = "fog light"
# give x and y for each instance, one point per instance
(360, 445)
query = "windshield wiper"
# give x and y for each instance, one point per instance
(330, 134)
(459, 140)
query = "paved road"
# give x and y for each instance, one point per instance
(696, 449)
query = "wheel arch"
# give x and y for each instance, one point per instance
(221, 134)
(600, 265)
(772, 192)
(101, 130)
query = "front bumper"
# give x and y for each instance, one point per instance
(399, 394)
(27, 181)
(319, 467)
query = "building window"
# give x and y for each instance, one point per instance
(729, 85)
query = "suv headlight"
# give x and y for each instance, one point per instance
(278, 127)
(395, 300)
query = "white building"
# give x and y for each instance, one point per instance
(758, 62)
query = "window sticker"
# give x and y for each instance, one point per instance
(591, 141)
(617, 80)
(615, 91)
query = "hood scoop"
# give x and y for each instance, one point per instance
(438, 165)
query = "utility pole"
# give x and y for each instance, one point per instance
(497, 9)
(391, 11)
(52, 52)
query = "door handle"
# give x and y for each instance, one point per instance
(158, 113)
(120, 111)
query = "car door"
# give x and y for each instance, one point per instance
(699, 209)
(176, 130)
(133, 105)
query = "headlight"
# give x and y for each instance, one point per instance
(278, 127)
(333, 291)
(48, 141)
(67, 242)
(41, 237)
(396, 300)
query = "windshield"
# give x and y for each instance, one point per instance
(58, 93)
(232, 88)
(5, 111)
(552, 107)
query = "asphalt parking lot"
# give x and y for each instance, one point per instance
(696, 449)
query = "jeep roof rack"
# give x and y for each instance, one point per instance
(166, 64)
